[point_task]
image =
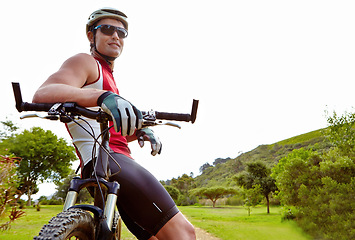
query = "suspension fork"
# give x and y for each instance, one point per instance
(112, 189)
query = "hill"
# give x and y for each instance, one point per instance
(222, 170)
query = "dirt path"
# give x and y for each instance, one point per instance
(203, 235)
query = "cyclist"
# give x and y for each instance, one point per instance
(146, 208)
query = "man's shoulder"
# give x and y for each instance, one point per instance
(83, 57)
(80, 60)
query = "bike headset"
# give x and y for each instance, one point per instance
(97, 16)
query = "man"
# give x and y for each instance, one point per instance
(145, 206)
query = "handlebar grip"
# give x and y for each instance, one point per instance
(173, 116)
(178, 116)
(39, 107)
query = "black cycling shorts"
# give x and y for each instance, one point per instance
(144, 204)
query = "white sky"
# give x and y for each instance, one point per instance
(263, 70)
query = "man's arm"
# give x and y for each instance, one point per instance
(66, 84)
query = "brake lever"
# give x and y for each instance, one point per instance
(32, 115)
(172, 124)
(149, 123)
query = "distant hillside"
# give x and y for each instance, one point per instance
(223, 170)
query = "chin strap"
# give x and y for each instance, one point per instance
(108, 59)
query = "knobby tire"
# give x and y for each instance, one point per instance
(73, 224)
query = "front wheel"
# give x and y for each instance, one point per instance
(69, 225)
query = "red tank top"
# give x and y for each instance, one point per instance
(118, 143)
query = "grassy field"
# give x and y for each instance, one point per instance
(227, 223)
(233, 223)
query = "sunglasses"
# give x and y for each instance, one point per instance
(109, 30)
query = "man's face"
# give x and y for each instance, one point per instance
(109, 45)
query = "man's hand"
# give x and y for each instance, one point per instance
(148, 135)
(125, 116)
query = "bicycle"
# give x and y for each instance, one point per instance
(101, 220)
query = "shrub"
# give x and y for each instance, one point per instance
(235, 200)
(288, 213)
(185, 200)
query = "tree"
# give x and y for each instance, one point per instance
(42, 199)
(183, 183)
(293, 171)
(341, 132)
(321, 188)
(204, 167)
(252, 197)
(173, 192)
(213, 193)
(220, 161)
(43, 156)
(9, 129)
(258, 174)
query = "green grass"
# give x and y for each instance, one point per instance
(234, 223)
(226, 223)
(29, 225)
(303, 137)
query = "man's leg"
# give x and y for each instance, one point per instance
(177, 228)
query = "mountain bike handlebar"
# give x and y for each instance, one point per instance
(105, 221)
(76, 109)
